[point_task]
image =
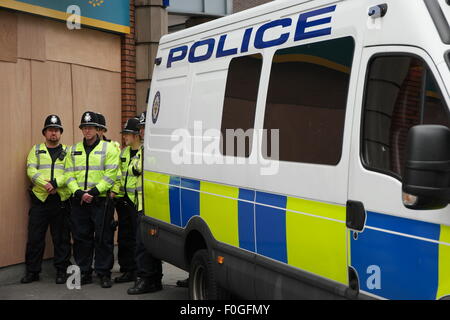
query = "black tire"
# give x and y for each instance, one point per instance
(202, 280)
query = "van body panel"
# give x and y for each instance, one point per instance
(285, 222)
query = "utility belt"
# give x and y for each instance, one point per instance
(52, 200)
(123, 201)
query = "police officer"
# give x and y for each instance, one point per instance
(91, 170)
(149, 269)
(102, 129)
(49, 205)
(125, 193)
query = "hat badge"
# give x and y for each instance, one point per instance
(54, 119)
(87, 117)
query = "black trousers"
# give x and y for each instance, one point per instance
(147, 266)
(126, 238)
(93, 233)
(55, 214)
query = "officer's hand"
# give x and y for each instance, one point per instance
(49, 187)
(86, 198)
(112, 195)
(53, 191)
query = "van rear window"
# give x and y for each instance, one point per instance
(307, 99)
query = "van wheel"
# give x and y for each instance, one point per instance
(202, 280)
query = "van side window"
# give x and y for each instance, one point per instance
(307, 99)
(401, 92)
(239, 106)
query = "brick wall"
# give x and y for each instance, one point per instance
(129, 69)
(239, 5)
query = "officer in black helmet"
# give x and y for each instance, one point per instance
(125, 193)
(91, 170)
(149, 269)
(49, 205)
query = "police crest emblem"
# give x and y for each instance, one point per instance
(156, 107)
(54, 119)
(87, 117)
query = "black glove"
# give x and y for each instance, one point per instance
(79, 194)
(94, 192)
(54, 184)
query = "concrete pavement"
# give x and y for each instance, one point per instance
(46, 289)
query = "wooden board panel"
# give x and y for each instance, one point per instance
(84, 47)
(8, 36)
(98, 91)
(15, 121)
(51, 94)
(31, 37)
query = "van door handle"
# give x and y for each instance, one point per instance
(356, 215)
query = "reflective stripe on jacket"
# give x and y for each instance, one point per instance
(99, 169)
(41, 170)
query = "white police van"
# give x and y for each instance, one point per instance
(337, 184)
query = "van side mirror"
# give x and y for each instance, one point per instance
(426, 178)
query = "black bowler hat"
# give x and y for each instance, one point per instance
(131, 126)
(52, 121)
(88, 119)
(101, 122)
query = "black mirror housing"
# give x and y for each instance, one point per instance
(427, 166)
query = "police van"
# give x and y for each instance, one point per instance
(301, 150)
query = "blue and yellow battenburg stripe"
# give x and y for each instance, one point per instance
(413, 256)
(305, 234)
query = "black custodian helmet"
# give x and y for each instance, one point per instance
(88, 119)
(52, 121)
(131, 126)
(101, 122)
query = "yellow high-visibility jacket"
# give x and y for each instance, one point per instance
(126, 182)
(135, 169)
(99, 169)
(41, 170)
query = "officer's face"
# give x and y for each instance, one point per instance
(89, 133)
(129, 138)
(52, 135)
(142, 132)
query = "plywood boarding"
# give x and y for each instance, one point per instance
(31, 37)
(15, 121)
(8, 36)
(98, 91)
(84, 47)
(51, 94)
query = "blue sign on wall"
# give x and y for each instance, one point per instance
(113, 15)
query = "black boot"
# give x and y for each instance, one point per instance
(30, 277)
(105, 282)
(145, 285)
(61, 277)
(126, 277)
(86, 278)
